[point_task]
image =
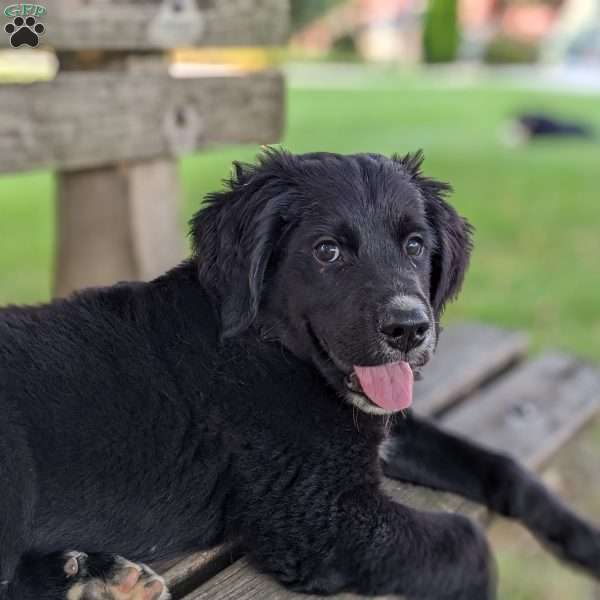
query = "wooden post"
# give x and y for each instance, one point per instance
(116, 222)
(114, 121)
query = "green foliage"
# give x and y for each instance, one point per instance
(506, 50)
(344, 48)
(440, 35)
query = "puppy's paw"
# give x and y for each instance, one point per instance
(107, 577)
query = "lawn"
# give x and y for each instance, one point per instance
(535, 208)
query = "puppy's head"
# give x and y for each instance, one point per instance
(348, 261)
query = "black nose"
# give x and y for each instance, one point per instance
(405, 329)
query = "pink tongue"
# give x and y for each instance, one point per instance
(389, 386)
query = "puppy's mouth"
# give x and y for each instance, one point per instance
(383, 388)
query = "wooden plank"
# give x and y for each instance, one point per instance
(533, 411)
(185, 568)
(87, 119)
(189, 572)
(161, 24)
(117, 223)
(242, 581)
(468, 355)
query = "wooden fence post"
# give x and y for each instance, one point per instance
(114, 121)
(116, 222)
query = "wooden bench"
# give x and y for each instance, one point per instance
(479, 384)
(115, 119)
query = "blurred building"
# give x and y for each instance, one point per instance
(483, 21)
(380, 30)
(576, 37)
(391, 30)
(562, 30)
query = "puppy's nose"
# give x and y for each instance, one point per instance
(405, 329)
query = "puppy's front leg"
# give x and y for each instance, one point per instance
(366, 543)
(421, 453)
(80, 576)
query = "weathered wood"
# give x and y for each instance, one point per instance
(240, 581)
(186, 574)
(468, 355)
(117, 223)
(161, 24)
(154, 195)
(532, 411)
(88, 119)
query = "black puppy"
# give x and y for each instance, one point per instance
(240, 397)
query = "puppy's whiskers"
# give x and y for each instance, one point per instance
(355, 418)
(387, 424)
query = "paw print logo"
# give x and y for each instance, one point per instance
(24, 31)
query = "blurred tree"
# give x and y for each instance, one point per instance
(440, 34)
(305, 11)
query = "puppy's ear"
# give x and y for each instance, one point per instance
(453, 235)
(233, 239)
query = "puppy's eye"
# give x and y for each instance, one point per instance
(414, 246)
(327, 251)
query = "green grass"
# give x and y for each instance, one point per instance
(26, 237)
(536, 210)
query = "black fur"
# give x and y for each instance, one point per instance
(150, 419)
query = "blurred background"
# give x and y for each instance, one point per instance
(503, 96)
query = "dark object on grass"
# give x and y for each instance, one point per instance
(245, 395)
(541, 125)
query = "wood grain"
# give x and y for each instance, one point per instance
(116, 224)
(468, 355)
(87, 119)
(161, 24)
(242, 581)
(532, 411)
(185, 574)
